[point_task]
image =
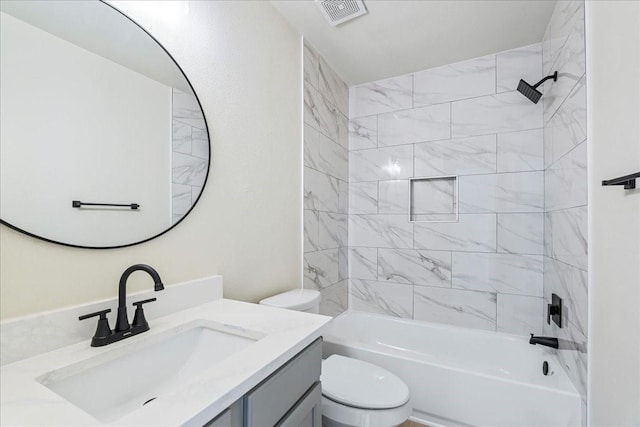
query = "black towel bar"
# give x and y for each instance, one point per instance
(79, 204)
(629, 181)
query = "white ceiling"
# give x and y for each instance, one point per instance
(403, 36)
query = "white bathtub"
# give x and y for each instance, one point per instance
(461, 377)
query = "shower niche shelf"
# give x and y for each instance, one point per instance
(433, 199)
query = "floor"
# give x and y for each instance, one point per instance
(412, 424)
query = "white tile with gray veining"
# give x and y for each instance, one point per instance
(502, 273)
(520, 315)
(566, 180)
(570, 283)
(567, 17)
(430, 123)
(333, 88)
(474, 155)
(504, 112)
(343, 197)
(343, 130)
(573, 352)
(567, 236)
(568, 127)
(455, 307)
(324, 155)
(320, 269)
(380, 231)
(363, 133)
(188, 170)
(343, 263)
(467, 79)
(321, 191)
(416, 267)
(381, 96)
(185, 108)
(180, 199)
(502, 193)
(332, 230)
(310, 221)
(334, 299)
(363, 263)
(323, 116)
(199, 143)
(571, 66)
(383, 298)
(521, 151)
(393, 197)
(180, 137)
(363, 198)
(521, 233)
(523, 63)
(475, 233)
(311, 60)
(381, 164)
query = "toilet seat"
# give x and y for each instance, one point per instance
(335, 414)
(359, 384)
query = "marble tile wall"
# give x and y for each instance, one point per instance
(565, 178)
(189, 153)
(484, 271)
(326, 177)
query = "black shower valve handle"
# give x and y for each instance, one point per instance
(552, 310)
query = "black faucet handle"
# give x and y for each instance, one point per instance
(103, 330)
(102, 314)
(139, 320)
(139, 304)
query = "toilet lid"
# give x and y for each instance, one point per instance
(297, 299)
(360, 384)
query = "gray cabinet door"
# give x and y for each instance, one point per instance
(307, 412)
(269, 402)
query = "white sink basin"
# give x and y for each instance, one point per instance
(118, 382)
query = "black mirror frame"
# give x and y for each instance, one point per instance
(9, 225)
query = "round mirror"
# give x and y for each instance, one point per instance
(103, 141)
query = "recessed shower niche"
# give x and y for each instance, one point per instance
(433, 199)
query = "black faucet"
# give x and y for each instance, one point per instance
(104, 335)
(122, 323)
(548, 341)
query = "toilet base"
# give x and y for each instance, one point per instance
(337, 415)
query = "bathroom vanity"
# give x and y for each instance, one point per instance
(292, 396)
(220, 363)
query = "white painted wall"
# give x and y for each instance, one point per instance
(613, 68)
(58, 106)
(245, 64)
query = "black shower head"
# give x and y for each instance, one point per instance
(532, 92)
(529, 91)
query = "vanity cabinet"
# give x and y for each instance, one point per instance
(290, 397)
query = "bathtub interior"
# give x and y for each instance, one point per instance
(458, 376)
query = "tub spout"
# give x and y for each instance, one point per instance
(548, 341)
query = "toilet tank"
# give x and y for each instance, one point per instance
(306, 300)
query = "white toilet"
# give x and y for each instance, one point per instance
(354, 393)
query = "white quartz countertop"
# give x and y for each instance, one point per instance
(25, 401)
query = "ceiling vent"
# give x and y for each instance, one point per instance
(339, 11)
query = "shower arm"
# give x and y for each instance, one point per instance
(553, 76)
